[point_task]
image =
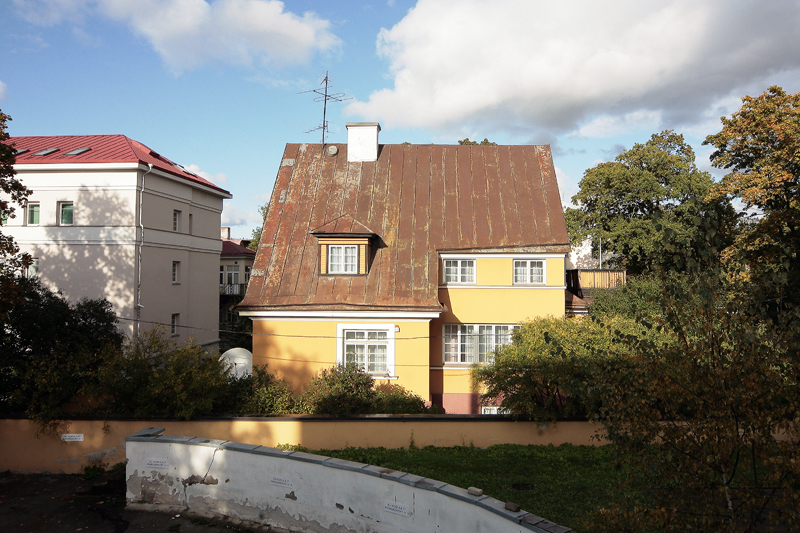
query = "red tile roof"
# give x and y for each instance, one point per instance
(230, 248)
(420, 200)
(102, 149)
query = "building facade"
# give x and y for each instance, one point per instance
(111, 218)
(413, 261)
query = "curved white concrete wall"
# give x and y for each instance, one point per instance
(305, 492)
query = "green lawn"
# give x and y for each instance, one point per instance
(566, 483)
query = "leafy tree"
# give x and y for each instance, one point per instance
(484, 142)
(50, 350)
(16, 193)
(760, 145)
(256, 235)
(629, 203)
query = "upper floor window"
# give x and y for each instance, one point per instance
(475, 343)
(32, 270)
(176, 272)
(529, 271)
(65, 213)
(175, 323)
(176, 220)
(459, 271)
(342, 259)
(33, 214)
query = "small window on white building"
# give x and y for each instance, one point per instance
(32, 270)
(175, 324)
(65, 213)
(176, 272)
(32, 218)
(176, 220)
(459, 271)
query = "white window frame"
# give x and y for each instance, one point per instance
(460, 271)
(175, 323)
(343, 267)
(341, 329)
(176, 220)
(32, 270)
(60, 213)
(469, 344)
(176, 272)
(527, 277)
(38, 213)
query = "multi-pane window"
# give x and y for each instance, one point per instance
(176, 272)
(33, 214)
(475, 343)
(367, 349)
(531, 271)
(175, 324)
(221, 275)
(246, 274)
(176, 220)
(342, 259)
(459, 271)
(232, 274)
(65, 213)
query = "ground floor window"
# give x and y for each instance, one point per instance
(370, 346)
(475, 343)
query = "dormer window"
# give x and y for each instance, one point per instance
(342, 259)
(344, 247)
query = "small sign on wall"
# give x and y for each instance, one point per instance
(72, 437)
(281, 481)
(157, 463)
(396, 508)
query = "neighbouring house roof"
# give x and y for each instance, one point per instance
(420, 200)
(232, 249)
(102, 149)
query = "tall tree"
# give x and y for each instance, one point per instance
(628, 203)
(760, 145)
(15, 193)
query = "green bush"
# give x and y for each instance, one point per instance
(395, 400)
(341, 390)
(268, 395)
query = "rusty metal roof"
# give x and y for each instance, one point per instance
(419, 200)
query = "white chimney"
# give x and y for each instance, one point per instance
(225, 233)
(362, 141)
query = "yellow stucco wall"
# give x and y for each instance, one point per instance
(493, 299)
(296, 350)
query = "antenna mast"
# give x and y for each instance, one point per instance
(323, 97)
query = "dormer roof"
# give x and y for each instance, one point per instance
(343, 226)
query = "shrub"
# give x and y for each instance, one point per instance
(341, 390)
(395, 400)
(268, 395)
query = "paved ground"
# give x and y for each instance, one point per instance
(68, 503)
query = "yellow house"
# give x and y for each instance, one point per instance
(413, 261)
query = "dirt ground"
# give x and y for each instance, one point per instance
(68, 503)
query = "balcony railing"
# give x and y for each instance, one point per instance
(233, 289)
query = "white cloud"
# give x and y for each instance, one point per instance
(526, 67)
(233, 216)
(216, 179)
(611, 125)
(3, 89)
(190, 33)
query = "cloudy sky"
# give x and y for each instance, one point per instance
(213, 84)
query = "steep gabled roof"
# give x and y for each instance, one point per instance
(101, 149)
(419, 200)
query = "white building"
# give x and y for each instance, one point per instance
(111, 218)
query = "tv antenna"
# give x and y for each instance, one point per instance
(324, 97)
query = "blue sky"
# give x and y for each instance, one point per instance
(212, 84)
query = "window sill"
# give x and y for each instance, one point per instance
(388, 378)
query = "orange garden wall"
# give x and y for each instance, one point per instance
(23, 452)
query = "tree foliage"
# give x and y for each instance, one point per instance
(760, 145)
(255, 237)
(628, 203)
(11, 261)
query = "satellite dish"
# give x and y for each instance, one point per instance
(239, 361)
